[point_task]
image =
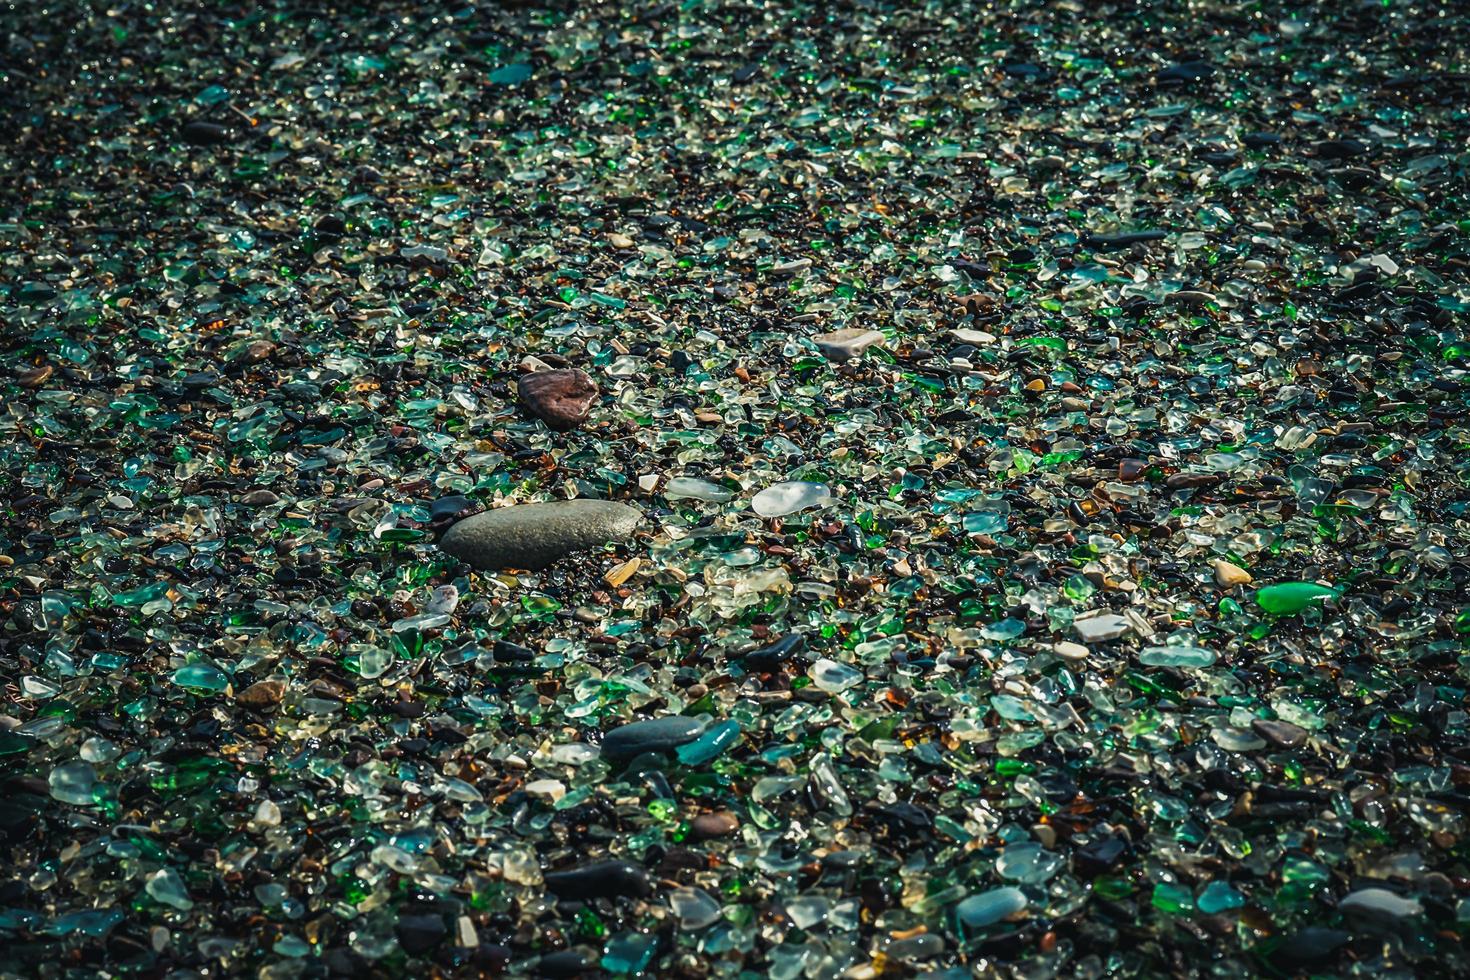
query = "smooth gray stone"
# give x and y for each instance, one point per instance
(533, 536)
(654, 735)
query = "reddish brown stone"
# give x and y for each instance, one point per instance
(1132, 470)
(561, 399)
(255, 352)
(976, 303)
(262, 694)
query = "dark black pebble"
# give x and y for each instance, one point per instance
(1120, 240)
(602, 879)
(1311, 945)
(1185, 72)
(567, 963)
(772, 657)
(1100, 854)
(201, 132)
(420, 933)
(1340, 149)
(449, 506)
(652, 735)
(1282, 734)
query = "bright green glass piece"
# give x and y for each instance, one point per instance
(1288, 598)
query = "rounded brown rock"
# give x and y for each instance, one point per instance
(712, 825)
(263, 694)
(563, 399)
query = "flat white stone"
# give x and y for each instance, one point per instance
(789, 498)
(1074, 652)
(967, 336)
(688, 487)
(1380, 901)
(847, 343)
(1102, 627)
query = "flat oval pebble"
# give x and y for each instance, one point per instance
(651, 735)
(601, 879)
(1098, 629)
(532, 536)
(688, 487)
(1380, 902)
(789, 498)
(966, 335)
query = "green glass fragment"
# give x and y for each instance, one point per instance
(1288, 598)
